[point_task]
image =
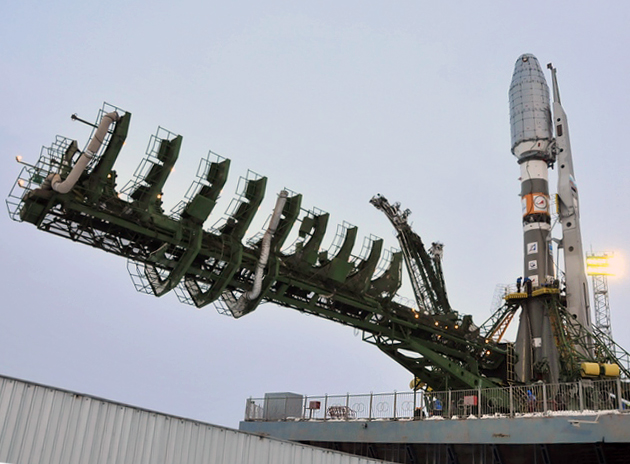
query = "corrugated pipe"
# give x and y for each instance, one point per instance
(265, 249)
(95, 144)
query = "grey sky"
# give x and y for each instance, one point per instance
(335, 100)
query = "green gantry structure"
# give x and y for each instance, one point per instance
(173, 251)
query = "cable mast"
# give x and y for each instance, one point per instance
(425, 268)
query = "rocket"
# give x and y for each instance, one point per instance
(532, 139)
(537, 147)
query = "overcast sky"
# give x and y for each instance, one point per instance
(335, 100)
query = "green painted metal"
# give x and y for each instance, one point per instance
(577, 343)
(359, 280)
(307, 252)
(338, 267)
(175, 252)
(425, 270)
(199, 208)
(147, 195)
(389, 282)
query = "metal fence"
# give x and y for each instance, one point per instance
(539, 398)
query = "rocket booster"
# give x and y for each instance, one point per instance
(569, 212)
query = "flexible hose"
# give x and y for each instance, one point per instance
(237, 307)
(95, 144)
(266, 246)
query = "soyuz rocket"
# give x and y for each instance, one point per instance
(540, 138)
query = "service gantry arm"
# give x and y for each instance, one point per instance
(174, 252)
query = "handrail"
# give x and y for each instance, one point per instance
(513, 401)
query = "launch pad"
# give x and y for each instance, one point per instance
(74, 194)
(593, 438)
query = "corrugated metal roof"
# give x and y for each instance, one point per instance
(43, 424)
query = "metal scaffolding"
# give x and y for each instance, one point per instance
(599, 270)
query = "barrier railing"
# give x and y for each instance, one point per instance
(539, 398)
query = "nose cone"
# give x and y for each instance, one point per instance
(530, 114)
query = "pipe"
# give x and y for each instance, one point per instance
(265, 247)
(95, 144)
(239, 306)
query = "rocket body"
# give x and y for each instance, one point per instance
(532, 142)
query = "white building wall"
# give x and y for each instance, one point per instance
(41, 424)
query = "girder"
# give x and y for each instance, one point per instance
(175, 252)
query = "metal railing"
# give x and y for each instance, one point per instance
(536, 399)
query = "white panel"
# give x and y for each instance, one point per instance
(534, 169)
(41, 424)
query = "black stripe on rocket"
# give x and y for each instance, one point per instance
(538, 260)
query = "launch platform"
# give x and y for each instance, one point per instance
(581, 422)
